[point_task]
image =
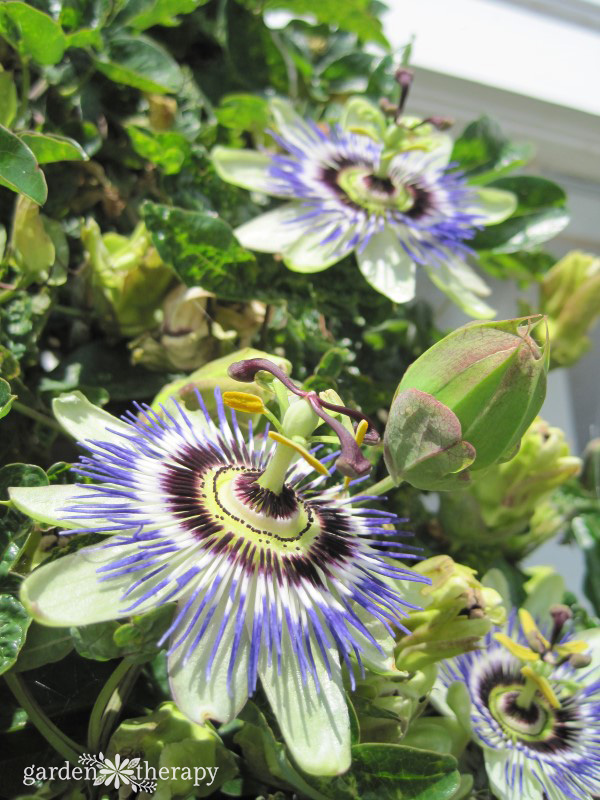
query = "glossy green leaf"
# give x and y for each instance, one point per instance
(140, 62)
(32, 32)
(43, 645)
(21, 475)
(163, 12)
(6, 398)
(19, 169)
(168, 150)
(484, 153)
(394, 772)
(14, 621)
(539, 216)
(202, 249)
(49, 148)
(8, 98)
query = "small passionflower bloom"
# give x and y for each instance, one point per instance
(535, 708)
(351, 192)
(275, 576)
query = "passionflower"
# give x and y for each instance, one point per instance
(274, 575)
(535, 708)
(394, 200)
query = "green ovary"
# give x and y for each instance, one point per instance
(374, 193)
(534, 724)
(289, 536)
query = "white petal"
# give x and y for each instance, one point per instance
(466, 275)
(200, 698)
(493, 205)
(380, 661)
(274, 231)
(387, 267)
(315, 725)
(47, 504)
(246, 168)
(445, 279)
(315, 250)
(439, 157)
(67, 591)
(83, 420)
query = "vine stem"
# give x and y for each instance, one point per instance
(63, 745)
(25, 84)
(382, 486)
(36, 415)
(110, 702)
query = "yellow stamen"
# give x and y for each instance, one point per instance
(542, 684)
(576, 646)
(361, 429)
(530, 629)
(314, 462)
(518, 650)
(244, 401)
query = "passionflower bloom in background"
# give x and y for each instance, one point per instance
(535, 708)
(385, 192)
(275, 576)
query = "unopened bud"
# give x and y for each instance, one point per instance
(579, 660)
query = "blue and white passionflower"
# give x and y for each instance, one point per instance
(535, 708)
(274, 576)
(348, 191)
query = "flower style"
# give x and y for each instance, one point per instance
(275, 576)
(535, 708)
(354, 191)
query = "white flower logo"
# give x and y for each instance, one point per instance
(117, 772)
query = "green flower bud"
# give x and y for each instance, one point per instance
(466, 403)
(457, 611)
(570, 296)
(127, 279)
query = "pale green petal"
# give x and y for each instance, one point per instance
(315, 725)
(83, 420)
(493, 205)
(387, 267)
(200, 698)
(246, 168)
(67, 591)
(467, 276)
(447, 282)
(592, 637)
(495, 766)
(311, 253)
(274, 231)
(47, 504)
(442, 146)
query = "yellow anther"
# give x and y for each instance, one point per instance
(314, 462)
(244, 401)
(530, 629)
(362, 428)
(542, 684)
(568, 648)
(359, 435)
(518, 650)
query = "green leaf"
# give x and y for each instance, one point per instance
(19, 169)
(32, 33)
(203, 250)
(244, 112)
(540, 215)
(43, 645)
(49, 148)
(14, 621)
(163, 12)
(167, 150)
(96, 641)
(586, 529)
(6, 398)
(352, 15)
(8, 98)
(393, 772)
(21, 475)
(483, 151)
(141, 63)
